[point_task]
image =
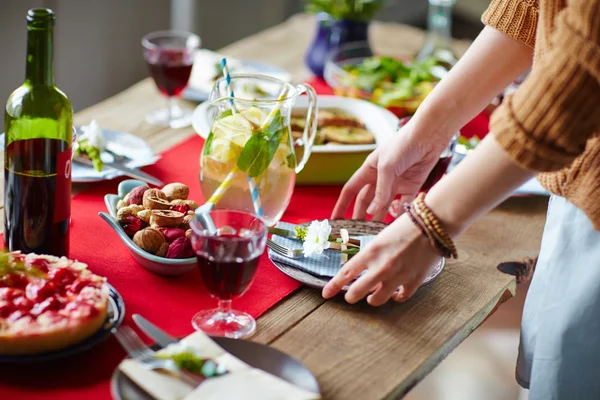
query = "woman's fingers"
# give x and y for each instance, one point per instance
(383, 190)
(406, 291)
(364, 198)
(383, 293)
(347, 274)
(350, 191)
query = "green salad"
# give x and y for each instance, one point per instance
(390, 82)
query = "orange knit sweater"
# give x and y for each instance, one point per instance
(552, 123)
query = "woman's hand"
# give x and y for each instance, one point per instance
(398, 168)
(396, 264)
(400, 256)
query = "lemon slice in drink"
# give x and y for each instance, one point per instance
(255, 115)
(224, 150)
(232, 125)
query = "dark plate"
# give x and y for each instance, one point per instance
(356, 228)
(255, 354)
(116, 313)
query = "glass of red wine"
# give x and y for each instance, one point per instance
(170, 56)
(228, 245)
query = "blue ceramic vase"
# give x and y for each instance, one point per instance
(330, 35)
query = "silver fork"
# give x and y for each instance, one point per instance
(284, 251)
(136, 348)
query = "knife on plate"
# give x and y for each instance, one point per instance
(154, 332)
(133, 173)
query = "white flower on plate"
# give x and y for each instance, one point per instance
(93, 134)
(317, 238)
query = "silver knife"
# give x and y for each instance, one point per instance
(158, 335)
(133, 173)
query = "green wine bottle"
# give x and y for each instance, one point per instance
(37, 151)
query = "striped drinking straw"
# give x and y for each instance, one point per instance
(218, 194)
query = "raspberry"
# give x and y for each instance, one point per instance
(131, 225)
(182, 208)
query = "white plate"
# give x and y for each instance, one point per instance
(122, 143)
(381, 122)
(203, 72)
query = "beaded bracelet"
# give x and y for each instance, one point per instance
(431, 227)
(421, 225)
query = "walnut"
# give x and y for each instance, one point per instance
(144, 215)
(166, 218)
(190, 203)
(125, 212)
(156, 203)
(121, 204)
(162, 251)
(136, 195)
(153, 193)
(176, 191)
(149, 240)
(188, 233)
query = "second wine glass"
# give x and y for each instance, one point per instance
(170, 57)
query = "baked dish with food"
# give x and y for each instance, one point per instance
(335, 126)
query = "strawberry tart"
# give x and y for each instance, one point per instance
(48, 303)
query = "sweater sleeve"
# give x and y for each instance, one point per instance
(516, 18)
(546, 123)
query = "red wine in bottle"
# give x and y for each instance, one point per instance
(37, 153)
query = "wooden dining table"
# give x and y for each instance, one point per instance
(357, 351)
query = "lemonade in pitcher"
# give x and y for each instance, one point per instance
(250, 145)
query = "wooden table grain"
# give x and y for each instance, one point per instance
(356, 351)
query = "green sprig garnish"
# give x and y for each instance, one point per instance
(189, 361)
(8, 267)
(85, 148)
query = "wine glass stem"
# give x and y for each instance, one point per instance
(170, 107)
(224, 306)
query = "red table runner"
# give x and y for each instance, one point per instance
(169, 302)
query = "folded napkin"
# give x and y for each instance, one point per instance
(326, 264)
(241, 382)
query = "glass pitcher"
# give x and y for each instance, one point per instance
(249, 160)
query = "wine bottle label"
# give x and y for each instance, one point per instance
(62, 202)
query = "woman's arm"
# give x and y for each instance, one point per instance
(491, 63)
(402, 165)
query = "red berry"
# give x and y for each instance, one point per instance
(131, 225)
(79, 284)
(51, 303)
(182, 208)
(37, 291)
(61, 276)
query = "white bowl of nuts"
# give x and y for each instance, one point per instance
(154, 225)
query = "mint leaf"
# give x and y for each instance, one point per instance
(226, 113)
(259, 150)
(207, 144)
